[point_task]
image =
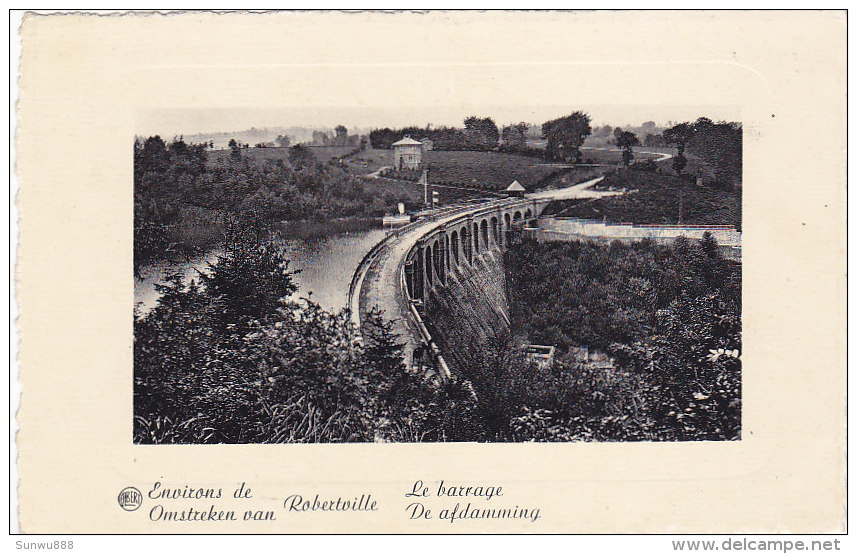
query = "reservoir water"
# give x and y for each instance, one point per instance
(326, 264)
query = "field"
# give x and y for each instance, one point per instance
(369, 160)
(325, 153)
(322, 153)
(490, 170)
(658, 200)
(482, 170)
(496, 171)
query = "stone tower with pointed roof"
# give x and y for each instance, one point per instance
(407, 154)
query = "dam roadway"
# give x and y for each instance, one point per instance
(378, 281)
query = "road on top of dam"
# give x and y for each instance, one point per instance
(380, 286)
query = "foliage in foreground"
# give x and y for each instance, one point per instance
(659, 311)
(234, 361)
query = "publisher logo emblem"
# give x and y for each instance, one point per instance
(130, 499)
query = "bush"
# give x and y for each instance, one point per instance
(402, 174)
(646, 165)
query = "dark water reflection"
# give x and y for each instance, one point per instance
(326, 264)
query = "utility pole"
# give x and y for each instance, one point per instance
(424, 179)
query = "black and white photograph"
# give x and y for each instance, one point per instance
(522, 274)
(429, 272)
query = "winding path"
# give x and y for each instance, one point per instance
(661, 155)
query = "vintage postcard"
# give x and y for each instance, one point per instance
(435, 272)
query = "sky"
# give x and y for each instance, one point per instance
(169, 122)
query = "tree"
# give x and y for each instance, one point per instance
(151, 155)
(482, 133)
(251, 279)
(702, 125)
(515, 136)
(627, 141)
(649, 126)
(720, 147)
(236, 149)
(383, 138)
(654, 140)
(300, 157)
(318, 138)
(283, 141)
(341, 135)
(605, 131)
(679, 163)
(565, 136)
(679, 135)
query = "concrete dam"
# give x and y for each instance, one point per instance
(441, 282)
(443, 275)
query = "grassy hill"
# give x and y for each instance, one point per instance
(490, 171)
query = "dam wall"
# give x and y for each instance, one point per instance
(470, 308)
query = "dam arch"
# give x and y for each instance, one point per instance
(427, 264)
(427, 252)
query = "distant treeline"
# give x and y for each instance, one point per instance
(339, 137)
(477, 134)
(564, 135)
(719, 145)
(174, 183)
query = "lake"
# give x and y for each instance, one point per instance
(326, 264)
